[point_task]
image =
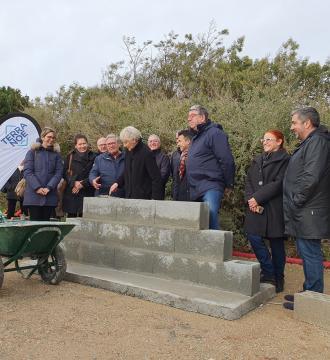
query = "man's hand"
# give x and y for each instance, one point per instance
(253, 204)
(113, 188)
(96, 183)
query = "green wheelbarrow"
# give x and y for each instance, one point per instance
(39, 241)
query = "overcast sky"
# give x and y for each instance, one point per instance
(46, 44)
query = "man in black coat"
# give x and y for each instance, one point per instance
(162, 160)
(141, 178)
(306, 195)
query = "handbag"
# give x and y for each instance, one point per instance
(20, 188)
(64, 183)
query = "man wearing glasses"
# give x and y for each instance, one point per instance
(306, 196)
(210, 163)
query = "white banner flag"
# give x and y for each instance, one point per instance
(17, 132)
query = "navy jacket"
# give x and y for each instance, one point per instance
(210, 163)
(109, 169)
(174, 167)
(42, 168)
(163, 163)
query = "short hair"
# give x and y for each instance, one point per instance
(278, 135)
(79, 136)
(130, 133)
(113, 136)
(308, 113)
(101, 138)
(46, 130)
(154, 136)
(201, 110)
(187, 134)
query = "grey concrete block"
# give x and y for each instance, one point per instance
(214, 244)
(135, 211)
(230, 276)
(175, 267)
(100, 208)
(133, 259)
(190, 215)
(313, 308)
(86, 229)
(153, 238)
(116, 234)
(89, 252)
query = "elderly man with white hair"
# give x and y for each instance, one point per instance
(141, 178)
(162, 160)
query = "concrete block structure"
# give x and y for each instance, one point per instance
(313, 308)
(162, 242)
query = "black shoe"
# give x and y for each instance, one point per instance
(267, 279)
(279, 285)
(288, 305)
(289, 297)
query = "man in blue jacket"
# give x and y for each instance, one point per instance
(210, 163)
(107, 168)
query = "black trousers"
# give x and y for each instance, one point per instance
(41, 213)
(11, 207)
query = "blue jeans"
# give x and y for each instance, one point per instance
(311, 254)
(213, 199)
(272, 265)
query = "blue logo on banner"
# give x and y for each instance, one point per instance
(16, 135)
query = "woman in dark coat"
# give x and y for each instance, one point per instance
(43, 170)
(77, 166)
(9, 190)
(141, 178)
(264, 217)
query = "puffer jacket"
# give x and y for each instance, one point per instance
(210, 163)
(42, 168)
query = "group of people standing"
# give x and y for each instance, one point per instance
(285, 196)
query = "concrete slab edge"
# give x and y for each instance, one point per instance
(173, 300)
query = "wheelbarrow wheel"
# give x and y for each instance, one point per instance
(2, 272)
(52, 269)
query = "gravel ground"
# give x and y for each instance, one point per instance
(71, 321)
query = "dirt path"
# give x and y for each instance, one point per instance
(71, 321)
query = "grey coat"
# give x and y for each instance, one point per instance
(306, 187)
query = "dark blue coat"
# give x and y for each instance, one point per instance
(174, 167)
(42, 168)
(109, 169)
(210, 163)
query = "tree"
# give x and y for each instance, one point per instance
(11, 100)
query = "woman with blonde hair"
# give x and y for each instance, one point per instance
(42, 171)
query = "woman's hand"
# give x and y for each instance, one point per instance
(42, 191)
(77, 187)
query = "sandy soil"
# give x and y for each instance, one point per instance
(71, 321)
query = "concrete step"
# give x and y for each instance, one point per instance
(179, 294)
(181, 214)
(211, 243)
(233, 275)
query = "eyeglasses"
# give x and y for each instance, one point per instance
(266, 140)
(193, 115)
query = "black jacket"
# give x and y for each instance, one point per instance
(174, 167)
(264, 183)
(306, 187)
(141, 177)
(80, 167)
(163, 163)
(10, 185)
